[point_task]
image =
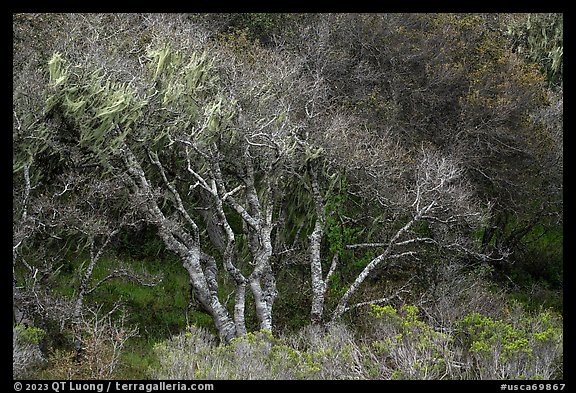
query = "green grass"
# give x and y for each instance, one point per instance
(159, 312)
(137, 359)
(160, 309)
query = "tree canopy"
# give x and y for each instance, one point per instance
(364, 154)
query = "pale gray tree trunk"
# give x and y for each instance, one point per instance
(222, 235)
(342, 306)
(223, 238)
(262, 281)
(319, 283)
(201, 283)
(184, 243)
(258, 228)
(229, 251)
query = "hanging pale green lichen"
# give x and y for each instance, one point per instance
(186, 93)
(93, 103)
(198, 72)
(72, 106)
(162, 60)
(167, 64)
(313, 153)
(58, 73)
(104, 110)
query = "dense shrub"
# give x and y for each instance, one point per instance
(409, 348)
(279, 141)
(101, 340)
(527, 347)
(401, 345)
(310, 354)
(25, 350)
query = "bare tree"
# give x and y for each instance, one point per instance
(440, 197)
(411, 187)
(199, 138)
(203, 135)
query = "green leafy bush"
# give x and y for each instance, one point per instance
(25, 350)
(311, 354)
(29, 333)
(527, 348)
(401, 345)
(408, 347)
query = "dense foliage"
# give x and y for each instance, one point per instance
(399, 345)
(288, 196)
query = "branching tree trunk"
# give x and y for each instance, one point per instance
(86, 287)
(229, 148)
(205, 134)
(342, 306)
(441, 198)
(195, 157)
(319, 282)
(184, 243)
